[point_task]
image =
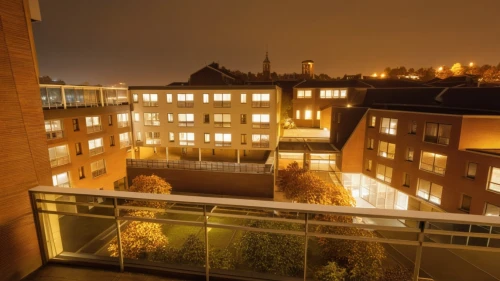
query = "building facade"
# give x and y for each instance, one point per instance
(88, 133)
(399, 157)
(225, 124)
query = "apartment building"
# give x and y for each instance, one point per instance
(219, 127)
(88, 135)
(430, 149)
(311, 97)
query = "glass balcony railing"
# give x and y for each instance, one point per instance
(240, 239)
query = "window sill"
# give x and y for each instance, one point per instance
(413, 134)
(464, 211)
(406, 185)
(469, 178)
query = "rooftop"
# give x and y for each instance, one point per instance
(490, 151)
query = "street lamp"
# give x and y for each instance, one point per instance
(440, 68)
(471, 64)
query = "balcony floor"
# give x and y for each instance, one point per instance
(73, 273)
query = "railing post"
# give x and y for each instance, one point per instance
(418, 256)
(118, 234)
(305, 245)
(207, 262)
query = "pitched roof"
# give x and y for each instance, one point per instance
(393, 83)
(332, 84)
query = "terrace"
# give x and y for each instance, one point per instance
(93, 227)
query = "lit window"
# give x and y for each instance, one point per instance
(185, 119)
(207, 137)
(491, 210)
(149, 99)
(222, 100)
(93, 124)
(222, 139)
(401, 201)
(61, 180)
(494, 181)
(124, 140)
(301, 94)
(206, 98)
(373, 121)
(81, 172)
(152, 119)
(153, 138)
(186, 139)
(308, 115)
(137, 117)
(466, 202)
(122, 120)
(96, 146)
(343, 93)
(260, 141)
(171, 137)
(297, 114)
(409, 154)
(169, 98)
(370, 143)
(384, 173)
(59, 155)
(433, 162)
(336, 94)
(326, 94)
(138, 136)
(413, 127)
(471, 170)
(389, 126)
(98, 168)
(260, 121)
(222, 120)
(386, 149)
(53, 129)
(185, 100)
(437, 133)
(170, 117)
(429, 191)
(318, 115)
(135, 98)
(368, 164)
(260, 100)
(243, 98)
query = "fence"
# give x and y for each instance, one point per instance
(94, 226)
(200, 165)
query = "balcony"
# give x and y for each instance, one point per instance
(53, 135)
(185, 104)
(95, 151)
(260, 103)
(59, 161)
(94, 129)
(210, 237)
(219, 103)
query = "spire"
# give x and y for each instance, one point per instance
(267, 58)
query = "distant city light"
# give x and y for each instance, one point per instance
(471, 64)
(382, 75)
(375, 74)
(349, 105)
(440, 68)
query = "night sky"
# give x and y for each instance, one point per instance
(155, 42)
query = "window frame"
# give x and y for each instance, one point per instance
(383, 177)
(433, 169)
(429, 193)
(388, 130)
(224, 142)
(152, 119)
(489, 183)
(185, 100)
(261, 143)
(149, 102)
(387, 155)
(259, 100)
(440, 128)
(223, 117)
(259, 124)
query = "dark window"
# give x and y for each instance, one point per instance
(466, 201)
(81, 172)
(206, 118)
(243, 139)
(243, 118)
(471, 170)
(437, 133)
(406, 180)
(76, 126)
(110, 120)
(413, 127)
(78, 147)
(112, 140)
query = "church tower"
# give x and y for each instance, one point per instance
(266, 68)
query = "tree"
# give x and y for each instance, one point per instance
(48, 80)
(444, 72)
(139, 238)
(492, 74)
(150, 184)
(271, 252)
(457, 69)
(331, 272)
(303, 186)
(397, 273)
